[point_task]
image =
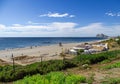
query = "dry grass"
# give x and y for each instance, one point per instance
(2, 62)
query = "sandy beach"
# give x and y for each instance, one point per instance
(48, 52)
(29, 55)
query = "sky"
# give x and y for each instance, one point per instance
(59, 18)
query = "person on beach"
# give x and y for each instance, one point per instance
(31, 47)
(60, 44)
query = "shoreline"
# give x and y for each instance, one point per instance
(49, 45)
(48, 52)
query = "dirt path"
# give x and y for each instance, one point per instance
(97, 73)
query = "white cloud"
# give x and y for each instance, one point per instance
(18, 25)
(55, 26)
(72, 16)
(113, 14)
(61, 29)
(56, 15)
(34, 23)
(30, 22)
(110, 14)
(2, 26)
(96, 28)
(118, 14)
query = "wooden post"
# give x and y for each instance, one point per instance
(13, 64)
(41, 59)
(63, 55)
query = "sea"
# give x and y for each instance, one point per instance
(21, 42)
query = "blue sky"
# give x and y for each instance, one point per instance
(62, 18)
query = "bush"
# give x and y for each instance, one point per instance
(80, 51)
(111, 81)
(53, 78)
(42, 68)
(105, 61)
(118, 41)
(110, 66)
(95, 58)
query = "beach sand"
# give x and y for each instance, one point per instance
(34, 54)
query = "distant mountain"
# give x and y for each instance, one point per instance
(102, 36)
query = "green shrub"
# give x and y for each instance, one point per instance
(105, 61)
(118, 41)
(53, 78)
(110, 66)
(111, 81)
(80, 51)
(95, 58)
(22, 71)
(90, 78)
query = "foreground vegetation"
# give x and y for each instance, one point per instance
(96, 58)
(113, 42)
(111, 81)
(110, 66)
(8, 74)
(53, 78)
